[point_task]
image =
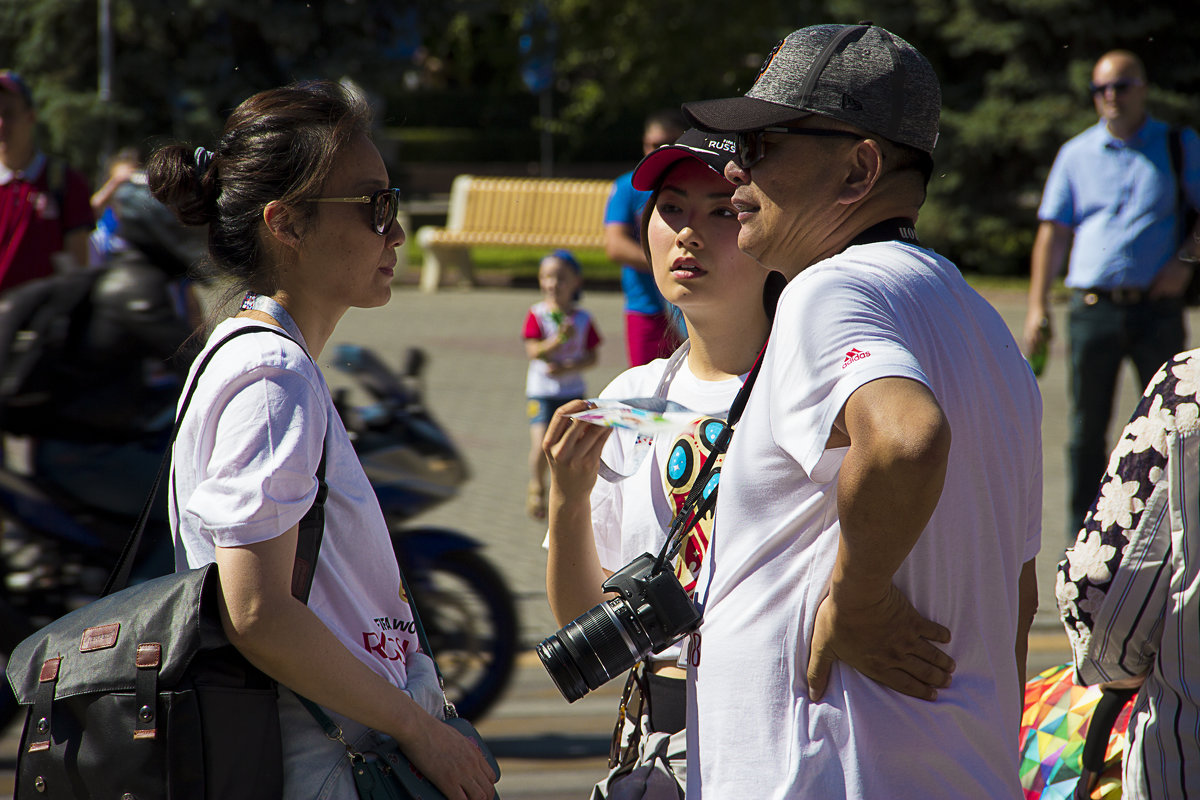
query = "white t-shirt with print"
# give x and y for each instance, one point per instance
(244, 471)
(874, 311)
(538, 380)
(630, 517)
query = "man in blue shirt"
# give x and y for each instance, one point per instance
(646, 322)
(1111, 200)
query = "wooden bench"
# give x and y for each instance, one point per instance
(512, 212)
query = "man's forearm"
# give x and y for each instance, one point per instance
(890, 481)
(1049, 252)
(621, 246)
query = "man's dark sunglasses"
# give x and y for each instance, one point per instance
(385, 204)
(1119, 87)
(751, 147)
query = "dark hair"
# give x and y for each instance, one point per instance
(673, 336)
(568, 258)
(648, 209)
(902, 158)
(670, 119)
(280, 145)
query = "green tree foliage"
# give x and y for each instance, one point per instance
(446, 75)
(623, 58)
(1014, 81)
(181, 65)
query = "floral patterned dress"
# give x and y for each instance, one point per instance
(1129, 589)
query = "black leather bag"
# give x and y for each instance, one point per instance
(140, 694)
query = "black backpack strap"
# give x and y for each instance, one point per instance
(312, 525)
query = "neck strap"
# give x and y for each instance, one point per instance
(703, 495)
(895, 229)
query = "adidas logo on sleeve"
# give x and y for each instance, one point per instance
(854, 354)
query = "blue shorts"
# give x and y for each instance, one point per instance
(541, 409)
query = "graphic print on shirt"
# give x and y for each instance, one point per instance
(685, 459)
(392, 638)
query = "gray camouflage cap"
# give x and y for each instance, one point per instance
(859, 74)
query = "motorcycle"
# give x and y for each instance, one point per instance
(469, 613)
(58, 548)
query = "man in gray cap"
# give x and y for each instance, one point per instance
(883, 487)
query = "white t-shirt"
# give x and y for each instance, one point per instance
(876, 310)
(544, 323)
(244, 471)
(630, 517)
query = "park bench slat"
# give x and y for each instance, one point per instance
(513, 212)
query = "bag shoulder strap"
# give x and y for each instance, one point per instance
(331, 728)
(312, 525)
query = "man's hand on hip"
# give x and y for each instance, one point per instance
(884, 639)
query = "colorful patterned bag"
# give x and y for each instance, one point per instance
(1053, 738)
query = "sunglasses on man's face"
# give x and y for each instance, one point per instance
(385, 204)
(752, 146)
(1118, 87)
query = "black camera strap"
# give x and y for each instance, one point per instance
(699, 502)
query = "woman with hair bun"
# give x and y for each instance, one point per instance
(300, 217)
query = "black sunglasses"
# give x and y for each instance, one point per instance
(751, 146)
(1119, 87)
(385, 204)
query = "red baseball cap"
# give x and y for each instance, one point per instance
(713, 149)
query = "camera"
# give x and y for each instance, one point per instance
(651, 612)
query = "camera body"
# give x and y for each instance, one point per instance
(651, 612)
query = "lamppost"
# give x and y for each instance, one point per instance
(537, 44)
(104, 77)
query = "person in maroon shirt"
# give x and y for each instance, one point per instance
(44, 204)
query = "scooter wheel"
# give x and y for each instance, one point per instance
(470, 617)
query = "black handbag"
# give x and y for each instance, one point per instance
(389, 775)
(140, 694)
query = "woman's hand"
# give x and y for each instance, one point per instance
(573, 450)
(285, 639)
(573, 571)
(452, 761)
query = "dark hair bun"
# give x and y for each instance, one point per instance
(176, 183)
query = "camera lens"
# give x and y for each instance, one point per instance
(595, 647)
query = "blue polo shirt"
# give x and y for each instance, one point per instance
(625, 206)
(1119, 199)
